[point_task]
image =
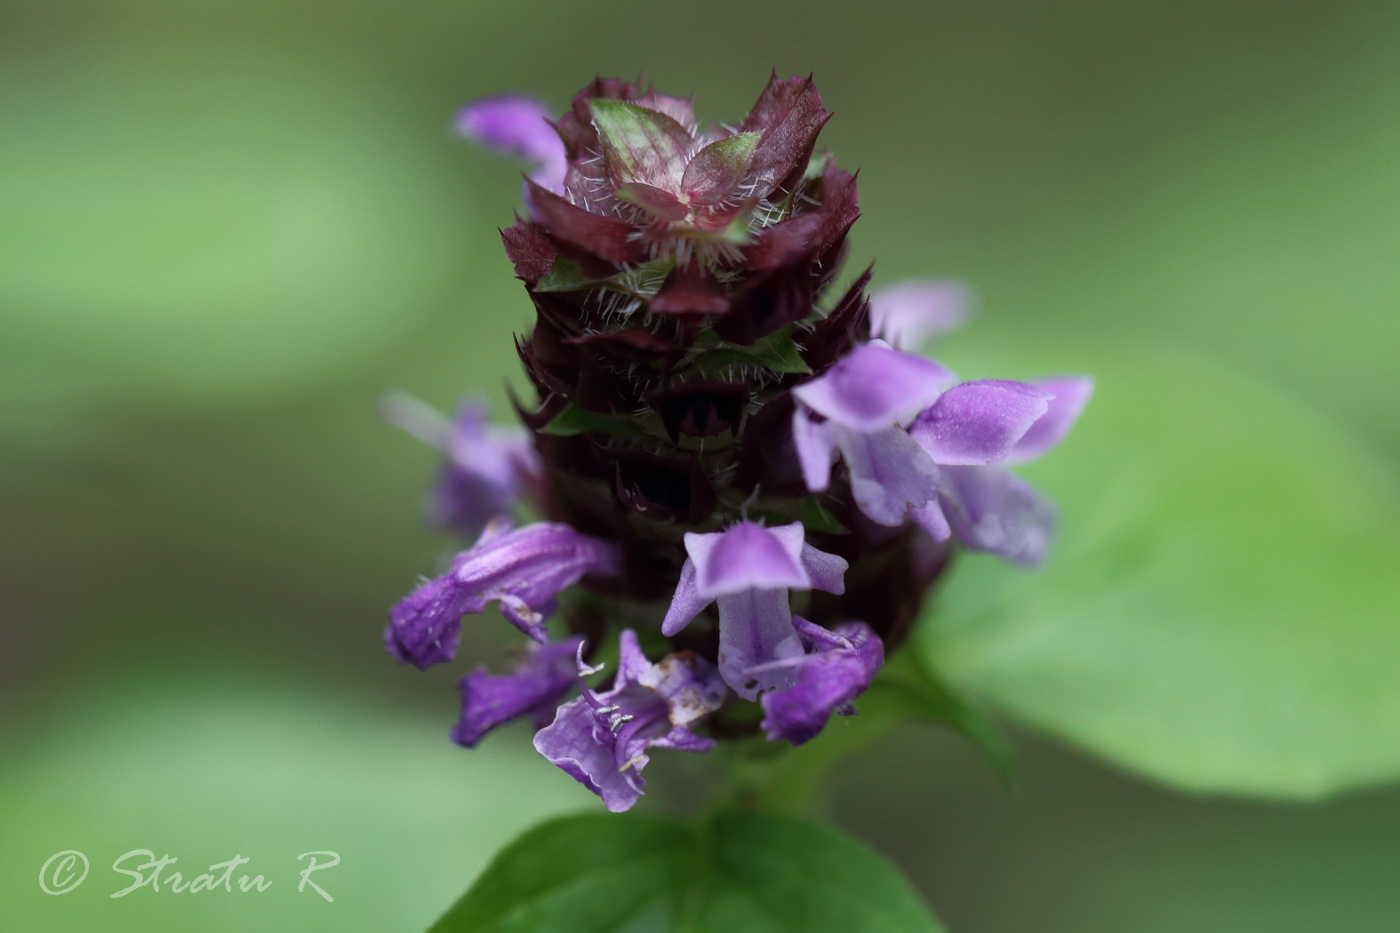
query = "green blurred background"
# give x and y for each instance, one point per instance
(226, 229)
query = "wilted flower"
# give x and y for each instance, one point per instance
(714, 426)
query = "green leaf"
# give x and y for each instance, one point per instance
(1222, 611)
(574, 420)
(641, 281)
(777, 352)
(739, 871)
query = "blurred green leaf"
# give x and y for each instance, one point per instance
(205, 768)
(757, 873)
(1221, 611)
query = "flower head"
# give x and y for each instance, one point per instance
(712, 423)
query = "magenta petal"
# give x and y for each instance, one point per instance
(516, 125)
(1071, 393)
(908, 313)
(993, 510)
(890, 473)
(976, 423)
(874, 387)
(748, 556)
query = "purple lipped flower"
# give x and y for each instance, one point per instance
(483, 465)
(513, 124)
(908, 314)
(865, 399)
(838, 667)
(601, 739)
(533, 689)
(521, 568)
(985, 507)
(748, 570)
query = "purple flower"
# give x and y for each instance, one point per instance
(981, 504)
(839, 666)
(521, 568)
(865, 398)
(601, 739)
(748, 570)
(483, 465)
(519, 126)
(907, 314)
(534, 688)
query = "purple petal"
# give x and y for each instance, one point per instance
(828, 572)
(424, 625)
(681, 739)
(748, 556)
(632, 665)
(1071, 393)
(890, 473)
(685, 604)
(995, 511)
(932, 520)
(908, 313)
(483, 465)
(533, 689)
(755, 629)
(573, 744)
(523, 568)
(976, 423)
(827, 680)
(519, 126)
(815, 445)
(874, 387)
